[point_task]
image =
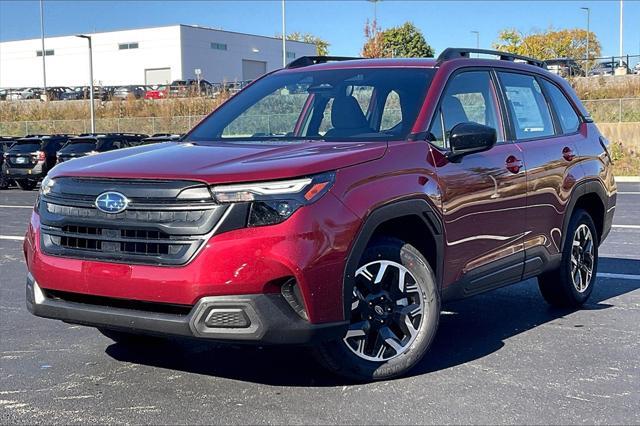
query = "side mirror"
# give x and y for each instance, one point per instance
(469, 138)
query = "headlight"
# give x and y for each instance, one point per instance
(274, 202)
(47, 185)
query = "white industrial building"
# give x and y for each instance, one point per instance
(145, 56)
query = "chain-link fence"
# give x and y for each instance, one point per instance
(614, 110)
(602, 111)
(147, 125)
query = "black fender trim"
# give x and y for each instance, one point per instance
(591, 186)
(394, 210)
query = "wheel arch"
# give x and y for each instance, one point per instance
(589, 196)
(397, 219)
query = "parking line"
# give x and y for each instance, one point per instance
(11, 238)
(619, 276)
(627, 226)
(4, 206)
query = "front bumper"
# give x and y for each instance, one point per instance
(33, 173)
(256, 318)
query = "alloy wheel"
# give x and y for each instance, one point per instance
(582, 258)
(386, 311)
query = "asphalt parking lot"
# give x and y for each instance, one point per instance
(502, 357)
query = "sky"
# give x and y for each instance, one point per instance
(444, 23)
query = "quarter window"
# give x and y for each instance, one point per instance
(569, 120)
(527, 106)
(391, 114)
(469, 97)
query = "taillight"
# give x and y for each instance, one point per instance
(41, 156)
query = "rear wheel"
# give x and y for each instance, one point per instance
(26, 184)
(395, 308)
(4, 182)
(571, 284)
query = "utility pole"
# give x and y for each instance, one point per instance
(586, 64)
(375, 10)
(91, 106)
(44, 52)
(284, 38)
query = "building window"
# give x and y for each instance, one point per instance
(127, 46)
(47, 52)
(291, 55)
(219, 46)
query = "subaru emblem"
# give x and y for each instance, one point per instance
(111, 202)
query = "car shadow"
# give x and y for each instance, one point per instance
(469, 329)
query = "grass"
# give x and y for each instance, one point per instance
(626, 161)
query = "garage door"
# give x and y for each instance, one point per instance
(157, 76)
(253, 69)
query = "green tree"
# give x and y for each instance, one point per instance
(568, 43)
(405, 41)
(322, 46)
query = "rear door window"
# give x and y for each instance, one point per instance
(569, 120)
(527, 106)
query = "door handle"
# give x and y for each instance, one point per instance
(514, 164)
(567, 153)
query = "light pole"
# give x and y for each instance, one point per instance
(621, 21)
(375, 10)
(91, 106)
(284, 38)
(586, 65)
(44, 52)
(477, 33)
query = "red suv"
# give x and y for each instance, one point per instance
(335, 203)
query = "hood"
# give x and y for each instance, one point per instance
(223, 162)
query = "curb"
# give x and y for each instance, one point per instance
(626, 179)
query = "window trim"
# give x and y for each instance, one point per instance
(438, 109)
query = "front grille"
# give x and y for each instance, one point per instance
(158, 227)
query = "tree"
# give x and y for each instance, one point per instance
(322, 46)
(404, 41)
(569, 43)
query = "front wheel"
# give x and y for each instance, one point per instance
(570, 285)
(395, 308)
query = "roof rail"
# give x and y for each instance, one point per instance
(455, 52)
(305, 61)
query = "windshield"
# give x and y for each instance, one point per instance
(337, 105)
(79, 146)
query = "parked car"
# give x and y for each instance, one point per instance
(564, 67)
(607, 68)
(636, 69)
(5, 144)
(3, 94)
(30, 158)
(160, 92)
(25, 93)
(125, 92)
(72, 94)
(370, 193)
(96, 143)
(184, 88)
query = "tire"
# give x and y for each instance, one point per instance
(373, 359)
(126, 338)
(561, 287)
(4, 183)
(25, 184)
